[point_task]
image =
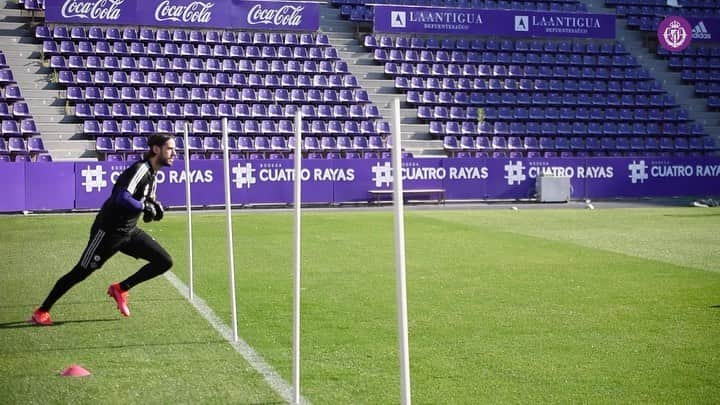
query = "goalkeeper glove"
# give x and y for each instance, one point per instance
(159, 210)
(149, 211)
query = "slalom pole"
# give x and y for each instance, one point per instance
(296, 281)
(228, 216)
(400, 256)
(188, 209)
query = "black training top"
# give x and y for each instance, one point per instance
(121, 211)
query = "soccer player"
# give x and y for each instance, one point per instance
(115, 230)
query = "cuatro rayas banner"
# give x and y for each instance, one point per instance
(85, 185)
(219, 14)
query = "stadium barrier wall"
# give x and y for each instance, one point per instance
(85, 185)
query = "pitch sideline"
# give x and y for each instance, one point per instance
(256, 361)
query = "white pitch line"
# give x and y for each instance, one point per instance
(256, 361)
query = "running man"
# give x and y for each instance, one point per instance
(115, 230)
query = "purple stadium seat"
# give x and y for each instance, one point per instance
(123, 144)
(268, 127)
(234, 127)
(165, 126)
(212, 144)
(173, 111)
(92, 128)
(114, 157)
(10, 128)
(351, 128)
(262, 144)
(376, 142)
(279, 144)
(44, 158)
(195, 144)
(110, 127)
(36, 145)
(199, 127)
(128, 128)
(467, 142)
(17, 145)
(190, 111)
(483, 143)
(577, 143)
(146, 127)
(139, 143)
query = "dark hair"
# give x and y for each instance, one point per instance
(156, 140)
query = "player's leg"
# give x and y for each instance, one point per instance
(100, 247)
(141, 246)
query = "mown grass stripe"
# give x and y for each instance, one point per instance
(276, 382)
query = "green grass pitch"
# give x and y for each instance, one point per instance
(528, 306)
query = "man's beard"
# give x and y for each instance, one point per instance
(163, 161)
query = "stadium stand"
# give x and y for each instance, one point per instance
(474, 96)
(127, 83)
(525, 89)
(19, 140)
(647, 15)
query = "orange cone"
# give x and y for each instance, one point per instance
(75, 371)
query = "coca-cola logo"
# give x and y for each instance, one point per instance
(96, 10)
(195, 12)
(286, 15)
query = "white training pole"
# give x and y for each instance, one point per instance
(188, 209)
(400, 256)
(296, 287)
(228, 215)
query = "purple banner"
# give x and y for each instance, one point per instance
(518, 23)
(657, 177)
(271, 181)
(86, 185)
(222, 14)
(50, 186)
(356, 190)
(12, 184)
(185, 13)
(705, 29)
(516, 178)
(120, 12)
(205, 177)
(466, 179)
(275, 15)
(94, 182)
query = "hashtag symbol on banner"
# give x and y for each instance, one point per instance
(243, 175)
(383, 174)
(514, 173)
(94, 178)
(638, 172)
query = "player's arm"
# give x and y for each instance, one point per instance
(128, 183)
(151, 210)
(122, 198)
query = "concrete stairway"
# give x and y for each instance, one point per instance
(61, 135)
(348, 40)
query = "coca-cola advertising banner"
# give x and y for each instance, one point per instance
(86, 185)
(518, 23)
(222, 14)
